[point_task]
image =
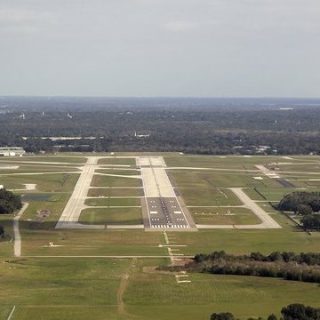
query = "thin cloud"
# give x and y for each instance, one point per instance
(180, 26)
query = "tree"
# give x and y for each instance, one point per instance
(311, 221)
(222, 316)
(304, 209)
(300, 312)
(272, 317)
(297, 201)
(1, 231)
(9, 202)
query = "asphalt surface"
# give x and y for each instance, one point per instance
(71, 213)
(162, 210)
(166, 213)
(266, 221)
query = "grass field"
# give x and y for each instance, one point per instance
(244, 296)
(118, 161)
(111, 216)
(62, 182)
(113, 202)
(98, 288)
(109, 181)
(119, 289)
(92, 243)
(118, 171)
(49, 158)
(223, 216)
(116, 192)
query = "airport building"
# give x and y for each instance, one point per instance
(11, 152)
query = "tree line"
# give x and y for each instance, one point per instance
(294, 311)
(286, 265)
(200, 126)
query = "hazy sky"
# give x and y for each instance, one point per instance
(160, 47)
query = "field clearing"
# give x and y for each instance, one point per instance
(244, 296)
(107, 181)
(48, 158)
(51, 288)
(55, 283)
(118, 161)
(62, 182)
(208, 197)
(269, 194)
(38, 168)
(223, 216)
(246, 241)
(54, 204)
(92, 243)
(119, 172)
(124, 216)
(299, 167)
(113, 202)
(220, 179)
(118, 192)
(232, 162)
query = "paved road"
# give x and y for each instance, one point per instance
(16, 231)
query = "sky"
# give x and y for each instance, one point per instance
(205, 48)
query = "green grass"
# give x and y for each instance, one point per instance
(228, 216)
(63, 288)
(38, 168)
(118, 161)
(232, 162)
(158, 296)
(246, 241)
(55, 204)
(208, 197)
(62, 182)
(269, 194)
(92, 242)
(109, 181)
(118, 192)
(75, 288)
(47, 158)
(119, 172)
(126, 216)
(113, 202)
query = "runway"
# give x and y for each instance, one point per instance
(71, 213)
(162, 209)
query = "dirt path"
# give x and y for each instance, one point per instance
(123, 286)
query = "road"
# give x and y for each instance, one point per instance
(16, 231)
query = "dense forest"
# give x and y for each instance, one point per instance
(205, 126)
